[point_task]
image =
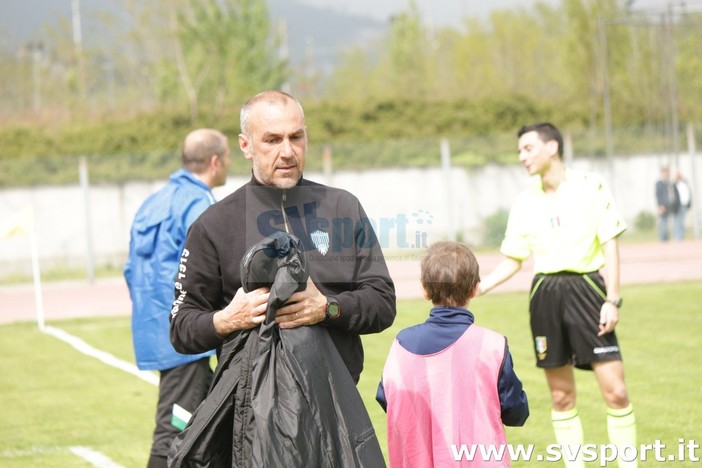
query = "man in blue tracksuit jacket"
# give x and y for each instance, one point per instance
(157, 238)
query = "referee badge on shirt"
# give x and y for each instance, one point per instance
(541, 347)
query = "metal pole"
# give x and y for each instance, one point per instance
(695, 187)
(568, 148)
(327, 164)
(672, 87)
(37, 51)
(284, 49)
(78, 44)
(85, 189)
(607, 99)
(36, 275)
(446, 167)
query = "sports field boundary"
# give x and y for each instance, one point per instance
(103, 356)
(93, 457)
(641, 263)
(89, 455)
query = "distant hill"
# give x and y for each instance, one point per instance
(325, 32)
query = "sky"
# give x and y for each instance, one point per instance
(441, 12)
(29, 14)
(451, 12)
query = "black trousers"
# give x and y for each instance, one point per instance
(185, 386)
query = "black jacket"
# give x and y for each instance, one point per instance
(344, 255)
(667, 195)
(280, 397)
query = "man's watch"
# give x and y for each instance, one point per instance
(616, 302)
(333, 310)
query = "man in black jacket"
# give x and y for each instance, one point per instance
(350, 291)
(668, 201)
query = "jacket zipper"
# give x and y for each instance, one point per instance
(283, 199)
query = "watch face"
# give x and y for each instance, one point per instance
(333, 310)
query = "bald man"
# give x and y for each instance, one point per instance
(157, 238)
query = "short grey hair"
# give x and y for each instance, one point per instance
(269, 97)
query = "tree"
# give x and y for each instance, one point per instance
(224, 51)
(208, 53)
(409, 55)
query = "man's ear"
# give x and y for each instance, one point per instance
(552, 147)
(245, 146)
(215, 161)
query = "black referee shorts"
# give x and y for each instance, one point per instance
(564, 309)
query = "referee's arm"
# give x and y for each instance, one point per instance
(609, 314)
(504, 270)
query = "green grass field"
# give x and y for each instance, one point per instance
(54, 398)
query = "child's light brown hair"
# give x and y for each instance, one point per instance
(449, 273)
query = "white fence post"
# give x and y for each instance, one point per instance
(446, 168)
(85, 189)
(696, 199)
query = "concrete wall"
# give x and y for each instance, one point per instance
(409, 207)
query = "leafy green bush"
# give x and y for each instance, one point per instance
(402, 133)
(495, 226)
(645, 221)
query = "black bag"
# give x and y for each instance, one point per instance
(279, 397)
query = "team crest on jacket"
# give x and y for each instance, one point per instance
(320, 239)
(541, 347)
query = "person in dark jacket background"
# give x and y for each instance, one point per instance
(157, 238)
(350, 291)
(668, 201)
(447, 381)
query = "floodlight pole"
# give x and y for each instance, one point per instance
(672, 87)
(78, 45)
(668, 26)
(694, 196)
(445, 150)
(85, 189)
(609, 147)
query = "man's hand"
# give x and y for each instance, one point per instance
(303, 308)
(609, 317)
(246, 311)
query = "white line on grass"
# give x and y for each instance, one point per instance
(93, 457)
(103, 356)
(29, 452)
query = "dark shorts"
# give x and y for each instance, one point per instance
(186, 386)
(565, 315)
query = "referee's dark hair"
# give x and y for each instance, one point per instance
(547, 132)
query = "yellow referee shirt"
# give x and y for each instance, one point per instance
(564, 230)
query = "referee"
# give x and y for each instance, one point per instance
(569, 222)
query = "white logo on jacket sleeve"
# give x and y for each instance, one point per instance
(320, 239)
(182, 268)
